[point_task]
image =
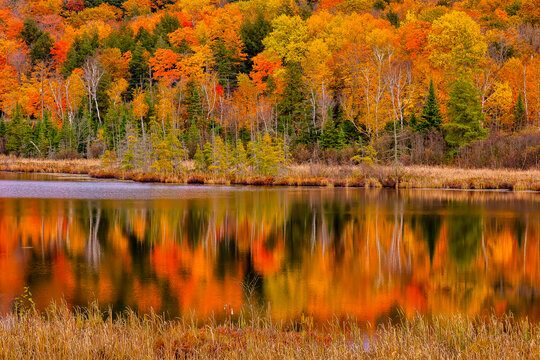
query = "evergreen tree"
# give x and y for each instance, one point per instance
(128, 161)
(519, 114)
(252, 35)
(413, 121)
(41, 48)
(82, 48)
(208, 155)
(329, 136)
(465, 115)
(193, 103)
(342, 138)
(431, 118)
(18, 134)
(168, 24)
(292, 108)
(3, 127)
(198, 159)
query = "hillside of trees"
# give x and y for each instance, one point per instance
(149, 84)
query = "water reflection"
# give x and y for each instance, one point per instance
(324, 252)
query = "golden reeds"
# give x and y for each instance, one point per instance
(61, 333)
(409, 177)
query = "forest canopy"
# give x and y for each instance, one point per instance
(402, 81)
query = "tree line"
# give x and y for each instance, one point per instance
(256, 85)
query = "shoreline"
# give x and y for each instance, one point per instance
(378, 176)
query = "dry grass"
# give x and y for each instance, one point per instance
(77, 166)
(60, 333)
(409, 177)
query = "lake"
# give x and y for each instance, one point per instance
(204, 251)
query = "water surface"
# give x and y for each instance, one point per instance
(317, 251)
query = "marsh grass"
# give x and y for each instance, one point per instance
(88, 333)
(378, 176)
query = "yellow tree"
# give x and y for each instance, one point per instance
(499, 106)
(288, 38)
(456, 43)
(317, 70)
(140, 109)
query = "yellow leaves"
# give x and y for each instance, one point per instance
(270, 8)
(317, 56)
(194, 7)
(140, 107)
(195, 64)
(96, 26)
(75, 89)
(137, 7)
(499, 104)
(116, 64)
(116, 90)
(103, 12)
(456, 42)
(288, 38)
(381, 37)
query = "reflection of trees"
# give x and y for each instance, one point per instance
(92, 249)
(464, 236)
(319, 251)
(429, 225)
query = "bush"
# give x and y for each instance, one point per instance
(300, 154)
(427, 149)
(67, 154)
(96, 150)
(514, 151)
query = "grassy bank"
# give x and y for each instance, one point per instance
(409, 177)
(61, 333)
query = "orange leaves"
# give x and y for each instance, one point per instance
(184, 35)
(10, 26)
(164, 65)
(264, 67)
(140, 107)
(413, 39)
(169, 66)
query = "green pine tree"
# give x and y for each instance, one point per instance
(128, 160)
(18, 134)
(519, 114)
(465, 115)
(342, 138)
(198, 159)
(330, 135)
(431, 118)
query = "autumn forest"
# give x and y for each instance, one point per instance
(251, 86)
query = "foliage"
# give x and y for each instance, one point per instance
(316, 75)
(465, 115)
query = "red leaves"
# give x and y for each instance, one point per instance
(59, 52)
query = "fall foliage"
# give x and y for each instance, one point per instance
(331, 79)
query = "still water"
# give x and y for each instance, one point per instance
(323, 252)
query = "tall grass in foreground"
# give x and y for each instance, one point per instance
(61, 333)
